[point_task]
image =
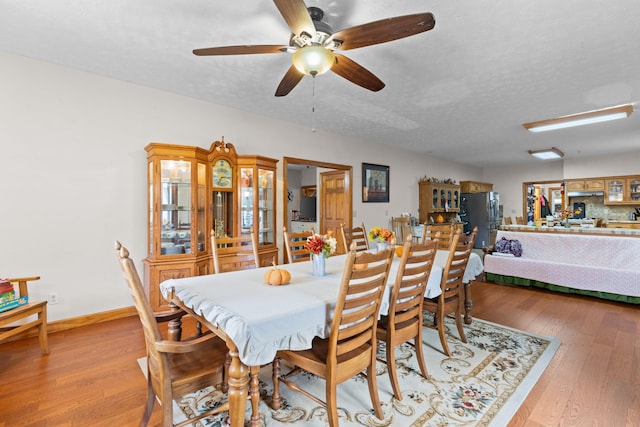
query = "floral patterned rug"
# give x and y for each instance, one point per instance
(482, 384)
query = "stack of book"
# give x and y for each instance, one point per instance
(8, 299)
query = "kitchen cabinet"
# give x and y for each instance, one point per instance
(622, 191)
(438, 199)
(585, 185)
(475, 187)
(191, 192)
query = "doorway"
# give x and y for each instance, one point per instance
(347, 197)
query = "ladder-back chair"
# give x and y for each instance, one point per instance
(446, 234)
(404, 321)
(452, 287)
(294, 245)
(354, 234)
(351, 346)
(174, 368)
(234, 253)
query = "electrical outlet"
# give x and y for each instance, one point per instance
(53, 299)
(355, 214)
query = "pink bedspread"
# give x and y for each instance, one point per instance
(595, 263)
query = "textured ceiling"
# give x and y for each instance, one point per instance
(460, 91)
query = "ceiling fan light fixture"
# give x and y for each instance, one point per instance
(313, 60)
(547, 154)
(595, 116)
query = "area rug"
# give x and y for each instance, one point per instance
(482, 384)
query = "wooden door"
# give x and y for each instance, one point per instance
(335, 200)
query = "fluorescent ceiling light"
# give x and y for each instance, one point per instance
(595, 116)
(549, 153)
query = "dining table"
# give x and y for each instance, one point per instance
(256, 320)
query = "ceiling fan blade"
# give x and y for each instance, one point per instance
(296, 16)
(289, 81)
(356, 73)
(384, 30)
(240, 50)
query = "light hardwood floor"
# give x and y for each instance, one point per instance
(91, 377)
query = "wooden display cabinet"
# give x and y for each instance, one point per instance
(192, 191)
(438, 199)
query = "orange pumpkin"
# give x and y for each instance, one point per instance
(360, 266)
(277, 276)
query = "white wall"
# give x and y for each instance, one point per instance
(73, 177)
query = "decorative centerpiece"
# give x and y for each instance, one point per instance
(566, 214)
(320, 247)
(382, 237)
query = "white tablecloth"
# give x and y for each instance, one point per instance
(262, 319)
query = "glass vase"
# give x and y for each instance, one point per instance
(381, 246)
(318, 263)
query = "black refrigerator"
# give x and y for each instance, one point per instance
(481, 210)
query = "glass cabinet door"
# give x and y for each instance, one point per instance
(634, 189)
(199, 241)
(266, 218)
(246, 200)
(615, 191)
(175, 207)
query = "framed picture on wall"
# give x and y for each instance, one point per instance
(375, 183)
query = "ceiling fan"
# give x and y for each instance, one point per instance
(313, 44)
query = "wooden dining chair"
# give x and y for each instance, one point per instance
(354, 234)
(404, 321)
(13, 323)
(174, 368)
(520, 220)
(508, 220)
(351, 345)
(234, 253)
(294, 245)
(452, 287)
(446, 234)
(401, 227)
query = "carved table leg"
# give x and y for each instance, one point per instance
(276, 399)
(254, 395)
(468, 303)
(238, 387)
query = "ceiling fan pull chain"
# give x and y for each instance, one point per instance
(313, 105)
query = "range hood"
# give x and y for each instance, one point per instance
(586, 193)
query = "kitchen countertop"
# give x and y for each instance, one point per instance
(575, 230)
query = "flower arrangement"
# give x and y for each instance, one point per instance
(317, 243)
(379, 234)
(566, 213)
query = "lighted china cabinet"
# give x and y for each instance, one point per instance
(438, 199)
(256, 203)
(192, 191)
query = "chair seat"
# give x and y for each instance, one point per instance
(192, 368)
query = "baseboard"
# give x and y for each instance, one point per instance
(77, 322)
